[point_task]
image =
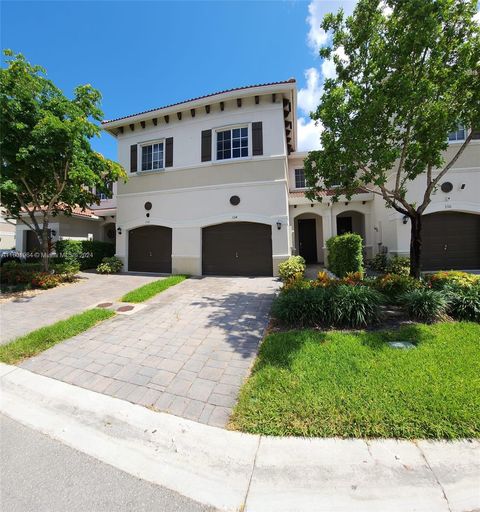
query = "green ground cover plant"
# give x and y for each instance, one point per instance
(149, 290)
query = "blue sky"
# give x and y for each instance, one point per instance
(143, 55)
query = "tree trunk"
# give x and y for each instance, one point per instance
(45, 246)
(415, 246)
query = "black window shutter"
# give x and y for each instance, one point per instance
(206, 145)
(257, 139)
(133, 158)
(169, 152)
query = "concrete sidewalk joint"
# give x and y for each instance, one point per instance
(234, 471)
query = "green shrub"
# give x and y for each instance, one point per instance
(464, 303)
(425, 305)
(399, 265)
(45, 280)
(345, 254)
(14, 273)
(87, 253)
(303, 307)
(450, 278)
(394, 285)
(354, 306)
(295, 265)
(342, 305)
(110, 265)
(379, 262)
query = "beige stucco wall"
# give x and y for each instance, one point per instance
(7, 233)
(395, 235)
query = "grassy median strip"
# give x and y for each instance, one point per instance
(328, 384)
(151, 289)
(39, 340)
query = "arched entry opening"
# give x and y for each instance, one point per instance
(451, 240)
(351, 221)
(150, 249)
(308, 230)
(109, 234)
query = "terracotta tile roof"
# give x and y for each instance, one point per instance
(87, 212)
(323, 193)
(289, 81)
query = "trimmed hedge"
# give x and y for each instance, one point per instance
(87, 253)
(294, 267)
(345, 254)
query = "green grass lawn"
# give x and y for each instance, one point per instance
(39, 340)
(147, 291)
(308, 383)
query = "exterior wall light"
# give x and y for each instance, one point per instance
(279, 225)
(54, 233)
(119, 230)
(405, 219)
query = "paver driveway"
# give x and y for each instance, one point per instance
(21, 316)
(187, 352)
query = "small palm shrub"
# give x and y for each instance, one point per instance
(354, 306)
(290, 268)
(110, 265)
(464, 303)
(394, 286)
(425, 305)
(303, 307)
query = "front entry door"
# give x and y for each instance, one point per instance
(307, 239)
(344, 225)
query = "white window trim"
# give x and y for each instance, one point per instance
(466, 132)
(295, 179)
(231, 127)
(140, 146)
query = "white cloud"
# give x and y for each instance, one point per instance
(317, 37)
(477, 17)
(309, 96)
(308, 134)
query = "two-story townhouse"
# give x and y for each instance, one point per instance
(216, 187)
(207, 190)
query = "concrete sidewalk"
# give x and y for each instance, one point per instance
(230, 470)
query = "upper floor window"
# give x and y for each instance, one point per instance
(152, 157)
(300, 178)
(102, 195)
(458, 134)
(232, 143)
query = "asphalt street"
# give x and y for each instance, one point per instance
(39, 474)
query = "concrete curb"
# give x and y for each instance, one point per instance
(234, 471)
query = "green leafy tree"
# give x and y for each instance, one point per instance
(408, 73)
(48, 165)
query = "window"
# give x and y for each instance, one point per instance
(299, 178)
(152, 157)
(102, 195)
(232, 143)
(458, 134)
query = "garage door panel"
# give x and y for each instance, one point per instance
(451, 240)
(150, 249)
(237, 248)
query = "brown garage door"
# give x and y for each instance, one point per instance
(237, 249)
(451, 240)
(150, 249)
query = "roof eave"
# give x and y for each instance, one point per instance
(200, 102)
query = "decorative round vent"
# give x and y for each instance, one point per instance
(148, 205)
(446, 186)
(234, 200)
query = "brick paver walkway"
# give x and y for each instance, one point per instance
(186, 353)
(20, 316)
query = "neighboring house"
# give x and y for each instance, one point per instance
(216, 187)
(7, 232)
(94, 223)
